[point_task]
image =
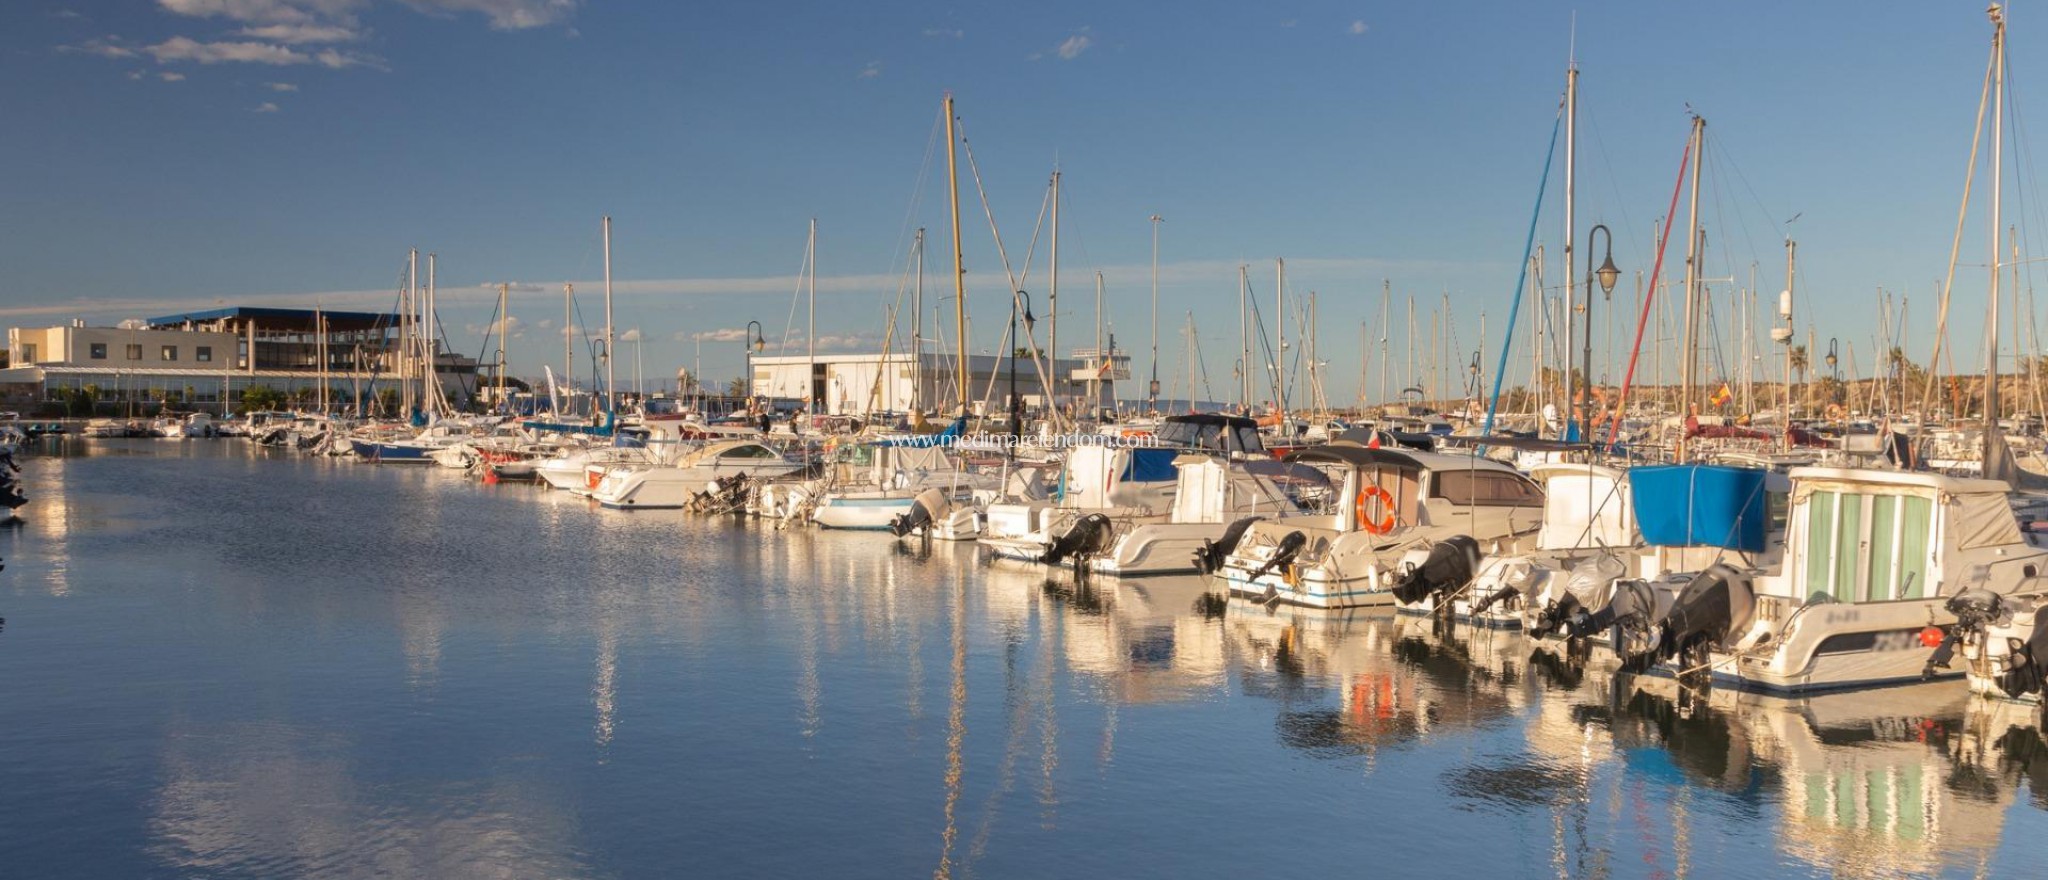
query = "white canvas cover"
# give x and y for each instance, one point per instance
(1982, 520)
(1586, 508)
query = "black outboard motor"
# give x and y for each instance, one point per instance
(1209, 559)
(1973, 608)
(1290, 547)
(1088, 536)
(1585, 604)
(1716, 603)
(10, 483)
(2023, 673)
(1450, 566)
(926, 508)
(1520, 579)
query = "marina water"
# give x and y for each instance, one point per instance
(224, 661)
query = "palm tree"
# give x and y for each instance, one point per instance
(1799, 363)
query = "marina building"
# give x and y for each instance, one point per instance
(206, 359)
(895, 382)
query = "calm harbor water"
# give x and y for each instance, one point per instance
(224, 661)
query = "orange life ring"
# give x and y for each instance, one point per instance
(1386, 501)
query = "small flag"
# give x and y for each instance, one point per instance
(1722, 396)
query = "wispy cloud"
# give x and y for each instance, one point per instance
(869, 71)
(1358, 27)
(631, 334)
(171, 76)
(302, 33)
(1075, 45)
(281, 87)
(265, 107)
(106, 47)
(504, 15)
(944, 33)
(187, 50)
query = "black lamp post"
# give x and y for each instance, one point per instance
(1022, 301)
(1606, 275)
(753, 342)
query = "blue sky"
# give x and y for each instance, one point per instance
(173, 154)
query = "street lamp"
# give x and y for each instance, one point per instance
(1022, 301)
(753, 342)
(1607, 274)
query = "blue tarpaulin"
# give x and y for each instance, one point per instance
(1150, 466)
(1700, 505)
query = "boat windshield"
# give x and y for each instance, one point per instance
(1216, 436)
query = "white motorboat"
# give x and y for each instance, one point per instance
(644, 486)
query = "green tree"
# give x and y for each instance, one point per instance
(260, 397)
(736, 388)
(80, 401)
(1800, 363)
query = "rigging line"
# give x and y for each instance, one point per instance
(1522, 278)
(789, 324)
(1956, 242)
(1721, 149)
(1016, 297)
(1628, 223)
(1650, 296)
(908, 230)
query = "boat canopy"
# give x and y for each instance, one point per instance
(1215, 432)
(1356, 456)
(1701, 505)
(1585, 506)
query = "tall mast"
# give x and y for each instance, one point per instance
(1244, 337)
(1991, 407)
(610, 386)
(1386, 315)
(959, 264)
(1280, 339)
(504, 299)
(430, 344)
(1152, 394)
(1571, 198)
(409, 343)
(569, 336)
(917, 330)
(1692, 278)
(811, 353)
(1053, 298)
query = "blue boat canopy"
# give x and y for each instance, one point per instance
(1701, 505)
(1150, 466)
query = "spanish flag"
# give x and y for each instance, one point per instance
(1722, 396)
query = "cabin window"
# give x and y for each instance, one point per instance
(749, 452)
(1864, 548)
(203, 353)
(99, 351)
(28, 352)
(1486, 488)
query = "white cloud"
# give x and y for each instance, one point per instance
(136, 74)
(302, 33)
(171, 77)
(722, 334)
(1358, 27)
(265, 107)
(631, 335)
(280, 87)
(1290, 22)
(188, 49)
(504, 15)
(870, 71)
(945, 33)
(105, 47)
(1074, 46)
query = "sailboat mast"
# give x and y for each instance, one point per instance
(1280, 339)
(410, 343)
(1690, 350)
(1053, 298)
(1386, 315)
(959, 266)
(569, 336)
(1244, 341)
(917, 330)
(1571, 200)
(1991, 408)
(504, 299)
(1153, 394)
(610, 394)
(811, 352)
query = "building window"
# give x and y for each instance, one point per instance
(99, 351)
(170, 352)
(134, 352)
(28, 352)
(203, 354)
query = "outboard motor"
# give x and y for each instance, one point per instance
(1518, 579)
(1088, 536)
(1290, 547)
(1209, 559)
(1717, 603)
(1973, 608)
(2023, 673)
(925, 509)
(1596, 598)
(1450, 566)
